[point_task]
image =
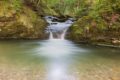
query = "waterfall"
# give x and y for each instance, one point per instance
(63, 34)
(56, 29)
(57, 51)
(51, 35)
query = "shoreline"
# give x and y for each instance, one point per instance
(79, 42)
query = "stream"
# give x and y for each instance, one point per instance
(57, 58)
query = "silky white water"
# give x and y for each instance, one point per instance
(58, 53)
(57, 50)
(57, 30)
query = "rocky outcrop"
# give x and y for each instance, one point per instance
(20, 22)
(88, 30)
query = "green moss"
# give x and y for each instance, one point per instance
(20, 22)
(10, 7)
(17, 4)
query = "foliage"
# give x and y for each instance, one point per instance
(100, 23)
(17, 4)
(68, 7)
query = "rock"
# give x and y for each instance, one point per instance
(116, 41)
(21, 24)
(88, 30)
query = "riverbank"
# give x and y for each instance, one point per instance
(19, 21)
(96, 31)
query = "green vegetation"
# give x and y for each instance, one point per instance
(19, 21)
(97, 20)
(100, 24)
(69, 7)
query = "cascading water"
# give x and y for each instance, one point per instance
(57, 50)
(51, 35)
(57, 29)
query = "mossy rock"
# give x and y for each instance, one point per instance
(21, 24)
(91, 30)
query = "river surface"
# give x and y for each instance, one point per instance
(57, 60)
